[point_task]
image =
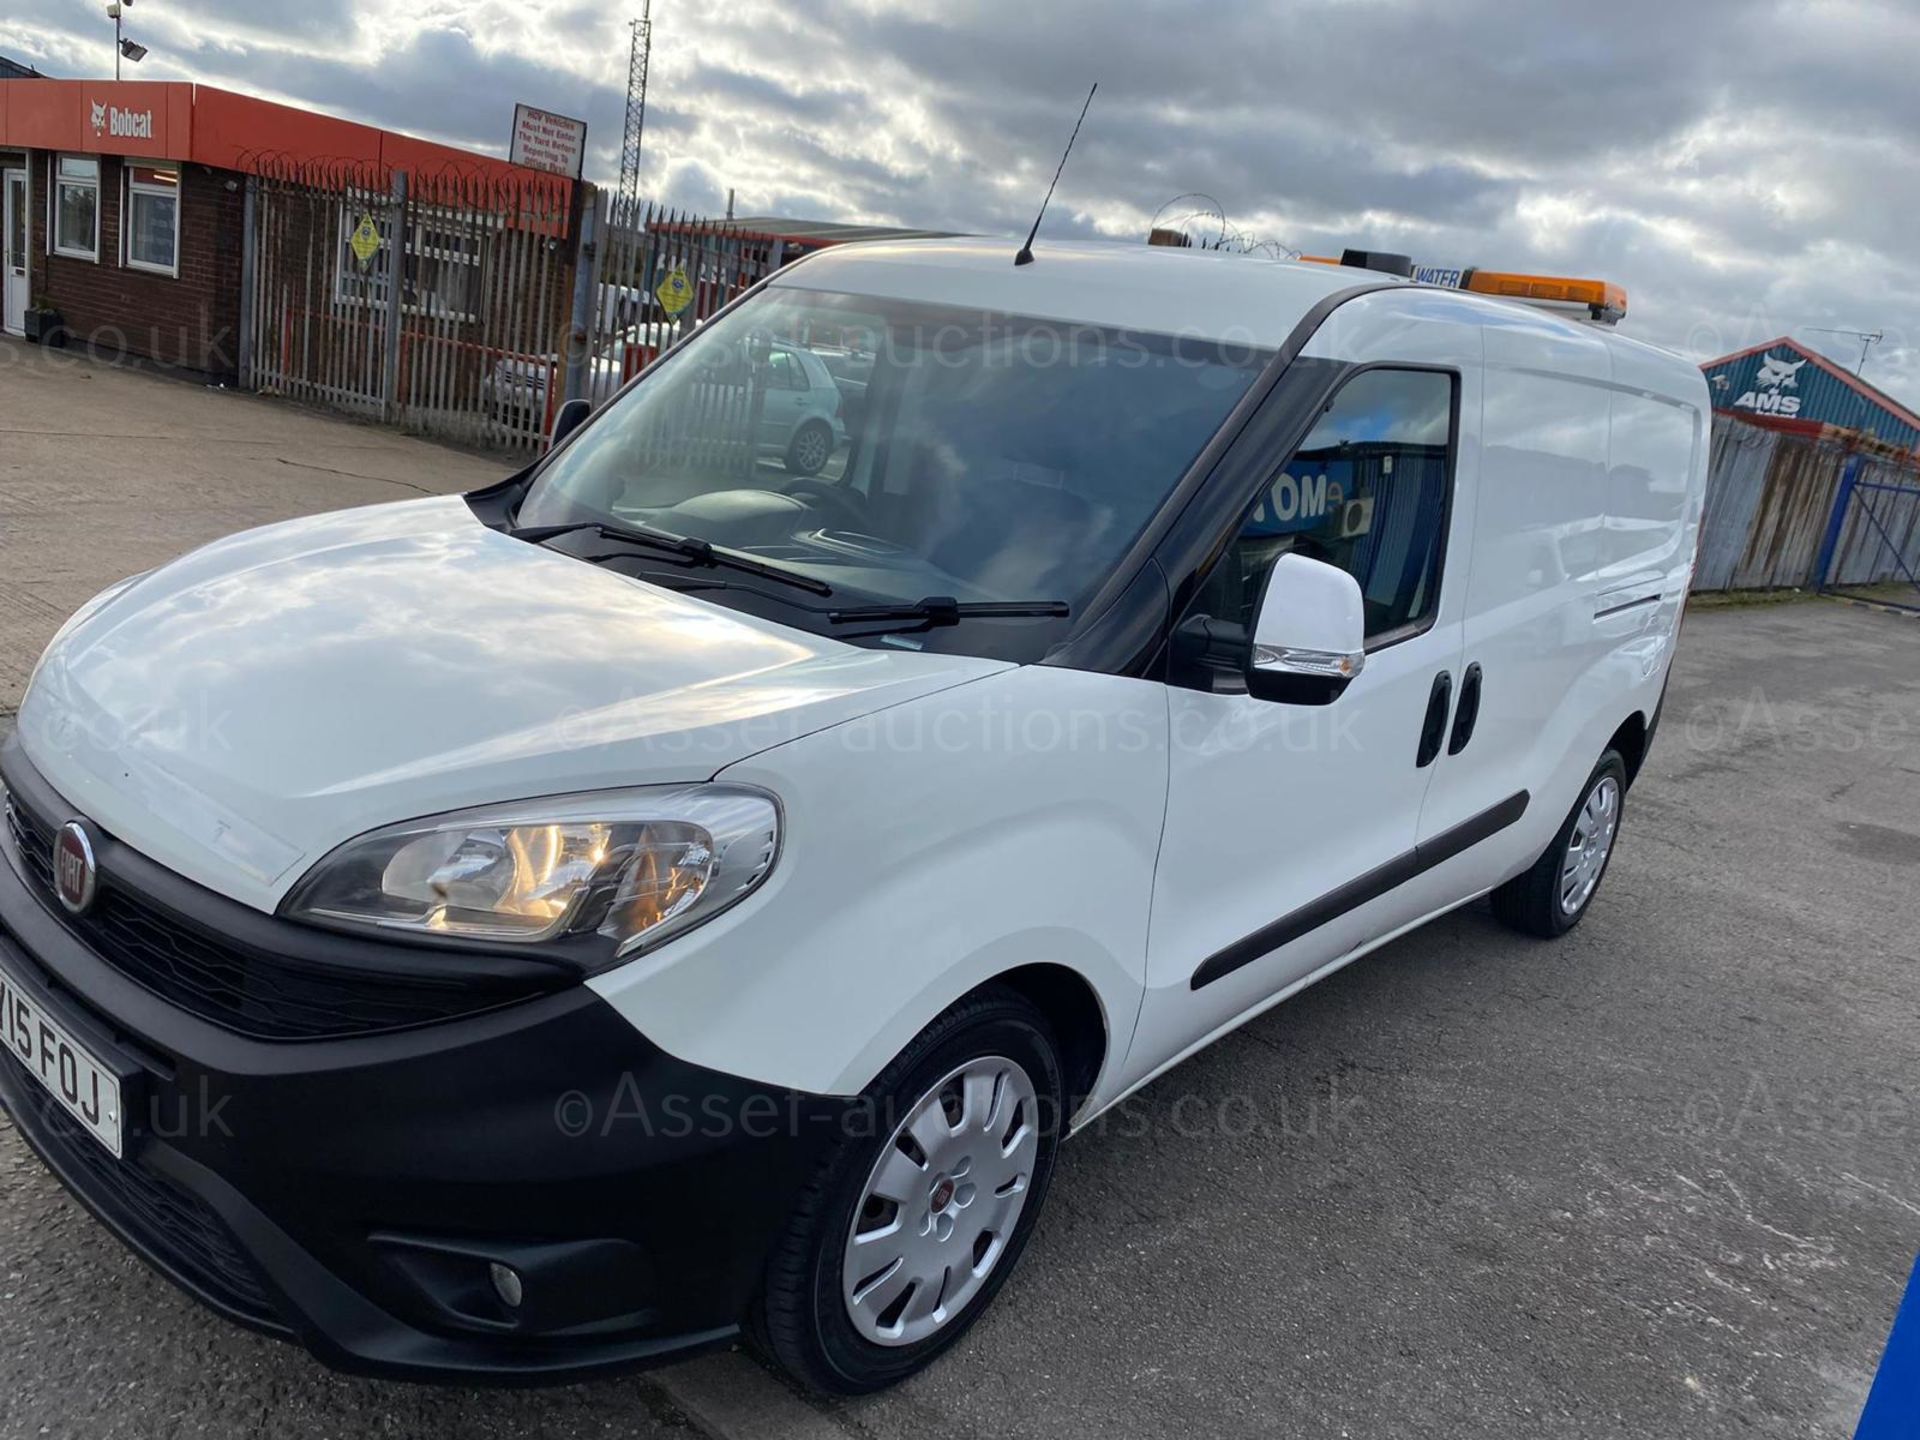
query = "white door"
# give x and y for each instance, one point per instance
(13, 251)
(1291, 831)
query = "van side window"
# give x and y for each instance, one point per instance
(1366, 491)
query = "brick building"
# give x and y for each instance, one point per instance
(123, 206)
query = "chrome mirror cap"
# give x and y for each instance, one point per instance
(1327, 664)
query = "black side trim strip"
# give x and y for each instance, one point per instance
(1625, 606)
(1469, 833)
(1311, 916)
(1357, 892)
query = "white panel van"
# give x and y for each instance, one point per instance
(676, 894)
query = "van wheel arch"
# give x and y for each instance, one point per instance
(1631, 741)
(1072, 1006)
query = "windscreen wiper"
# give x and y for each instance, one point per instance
(939, 610)
(690, 548)
(684, 584)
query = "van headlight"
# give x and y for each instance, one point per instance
(633, 866)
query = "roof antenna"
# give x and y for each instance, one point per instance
(1025, 257)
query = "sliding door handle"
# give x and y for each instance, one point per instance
(1469, 712)
(1434, 731)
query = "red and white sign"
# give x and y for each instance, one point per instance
(110, 119)
(146, 119)
(549, 142)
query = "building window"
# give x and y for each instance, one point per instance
(152, 227)
(443, 270)
(440, 273)
(76, 207)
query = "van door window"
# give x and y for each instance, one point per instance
(1367, 491)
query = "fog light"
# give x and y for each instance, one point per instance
(507, 1285)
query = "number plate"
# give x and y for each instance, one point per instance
(85, 1088)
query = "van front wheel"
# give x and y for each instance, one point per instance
(1549, 899)
(914, 1221)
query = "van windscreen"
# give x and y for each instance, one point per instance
(899, 451)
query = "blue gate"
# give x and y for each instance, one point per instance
(1872, 544)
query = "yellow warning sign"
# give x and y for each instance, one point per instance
(365, 242)
(675, 292)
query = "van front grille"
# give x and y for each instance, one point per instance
(251, 992)
(157, 1218)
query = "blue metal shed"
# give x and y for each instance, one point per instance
(1784, 382)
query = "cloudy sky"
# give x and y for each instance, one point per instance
(1745, 168)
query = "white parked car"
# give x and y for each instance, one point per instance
(661, 897)
(802, 404)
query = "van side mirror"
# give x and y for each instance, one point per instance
(1310, 635)
(572, 416)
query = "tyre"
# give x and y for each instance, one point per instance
(1549, 899)
(914, 1222)
(810, 448)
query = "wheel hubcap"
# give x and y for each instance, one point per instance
(941, 1202)
(1589, 845)
(808, 451)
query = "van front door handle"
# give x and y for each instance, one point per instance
(1469, 711)
(1434, 731)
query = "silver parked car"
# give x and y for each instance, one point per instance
(802, 409)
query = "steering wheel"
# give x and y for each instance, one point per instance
(850, 505)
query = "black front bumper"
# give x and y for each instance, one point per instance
(354, 1194)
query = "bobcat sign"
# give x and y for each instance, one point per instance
(1771, 382)
(111, 120)
(1786, 384)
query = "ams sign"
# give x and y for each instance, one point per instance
(1770, 386)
